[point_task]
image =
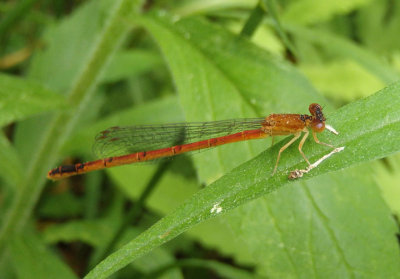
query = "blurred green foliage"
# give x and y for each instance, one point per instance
(71, 69)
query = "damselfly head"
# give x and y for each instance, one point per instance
(318, 122)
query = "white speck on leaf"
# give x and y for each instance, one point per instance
(216, 208)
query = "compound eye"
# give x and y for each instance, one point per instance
(314, 108)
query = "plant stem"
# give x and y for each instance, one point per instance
(253, 21)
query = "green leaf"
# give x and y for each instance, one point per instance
(367, 131)
(61, 205)
(31, 258)
(76, 43)
(94, 233)
(21, 98)
(10, 165)
(65, 59)
(344, 48)
(387, 176)
(217, 234)
(333, 226)
(172, 190)
(314, 11)
(342, 80)
(207, 6)
(80, 81)
(153, 261)
(126, 64)
(377, 26)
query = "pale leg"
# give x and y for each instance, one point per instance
(306, 132)
(296, 136)
(317, 140)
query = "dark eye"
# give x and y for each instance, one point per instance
(314, 108)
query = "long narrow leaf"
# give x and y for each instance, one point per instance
(369, 130)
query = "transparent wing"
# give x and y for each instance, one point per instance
(117, 141)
